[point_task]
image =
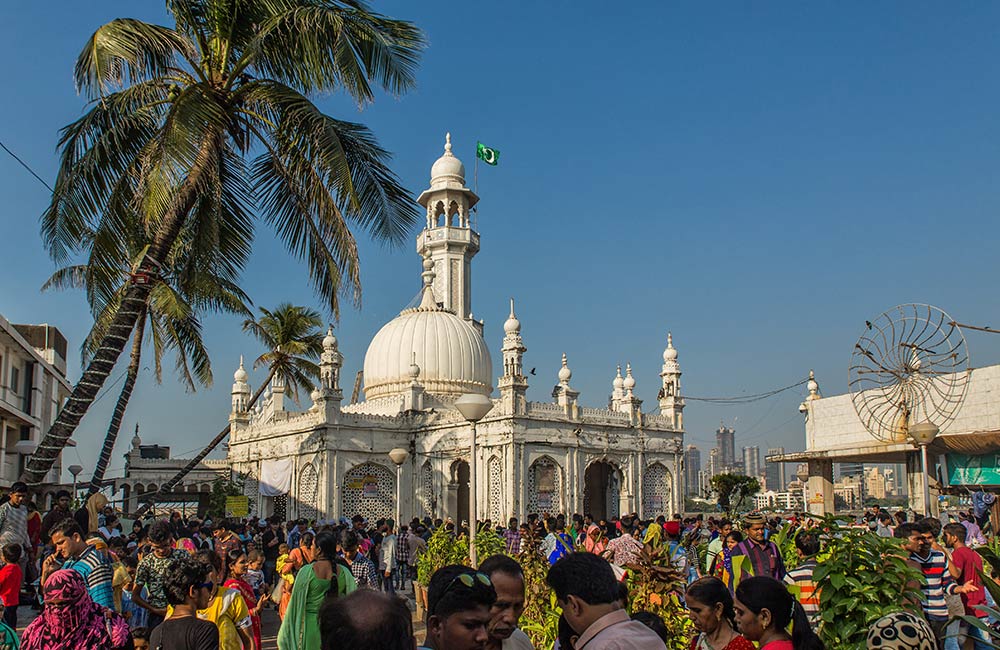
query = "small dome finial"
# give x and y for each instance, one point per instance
(447, 143)
(511, 325)
(629, 382)
(670, 353)
(619, 381)
(565, 374)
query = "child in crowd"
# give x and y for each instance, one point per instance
(137, 617)
(10, 583)
(255, 572)
(287, 579)
(140, 638)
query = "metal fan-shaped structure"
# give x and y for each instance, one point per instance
(910, 365)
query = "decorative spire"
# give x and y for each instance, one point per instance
(813, 386)
(447, 144)
(619, 381)
(136, 440)
(428, 301)
(565, 374)
(414, 368)
(629, 382)
(512, 325)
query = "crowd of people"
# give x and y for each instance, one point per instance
(193, 584)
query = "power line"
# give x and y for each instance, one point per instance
(745, 399)
(25, 165)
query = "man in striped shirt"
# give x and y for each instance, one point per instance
(801, 577)
(937, 579)
(93, 566)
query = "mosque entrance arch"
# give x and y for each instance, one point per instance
(602, 484)
(458, 492)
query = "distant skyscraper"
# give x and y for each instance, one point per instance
(751, 461)
(692, 466)
(725, 440)
(714, 462)
(775, 472)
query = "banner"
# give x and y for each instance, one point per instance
(276, 477)
(974, 470)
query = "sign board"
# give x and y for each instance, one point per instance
(974, 470)
(237, 506)
(369, 487)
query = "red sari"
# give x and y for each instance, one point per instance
(251, 601)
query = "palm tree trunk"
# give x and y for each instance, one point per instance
(121, 327)
(123, 398)
(213, 443)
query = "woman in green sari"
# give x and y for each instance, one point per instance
(316, 581)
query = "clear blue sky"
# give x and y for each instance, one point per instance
(758, 178)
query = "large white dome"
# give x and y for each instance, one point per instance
(451, 354)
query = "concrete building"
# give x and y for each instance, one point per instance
(774, 473)
(725, 442)
(692, 470)
(147, 467)
(751, 461)
(875, 483)
(333, 460)
(964, 452)
(33, 387)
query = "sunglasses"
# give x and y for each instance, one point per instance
(467, 580)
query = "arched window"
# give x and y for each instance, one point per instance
(544, 486)
(308, 492)
(656, 492)
(369, 490)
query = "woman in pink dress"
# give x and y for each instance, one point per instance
(236, 569)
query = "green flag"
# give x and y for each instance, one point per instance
(487, 155)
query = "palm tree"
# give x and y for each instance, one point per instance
(203, 123)
(170, 315)
(293, 339)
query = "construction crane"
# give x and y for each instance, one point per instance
(357, 387)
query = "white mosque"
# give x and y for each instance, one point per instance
(334, 460)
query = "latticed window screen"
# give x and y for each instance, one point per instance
(369, 490)
(655, 492)
(544, 487)
(281, 507)
(426, 489)
(252, 491)
(496, 494)
(308, 493)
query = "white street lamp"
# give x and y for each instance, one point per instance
(75, 471)
(399, 456)
(923, 434)
(473, 408)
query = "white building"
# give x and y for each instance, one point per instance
(33, 386)
(963, 454)
(332, 460)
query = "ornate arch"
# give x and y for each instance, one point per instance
(656, 491)
(494, 476)
(308, 492)
(544, 485)
(369, 490)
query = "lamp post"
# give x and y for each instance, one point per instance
(399, 456)
(75, 471)
(473, 408)
(923, 434)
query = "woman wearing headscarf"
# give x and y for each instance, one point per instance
(70, 620)
(596, 541)
(89, 515)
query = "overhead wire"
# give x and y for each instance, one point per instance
(745, 399)
(25, 165)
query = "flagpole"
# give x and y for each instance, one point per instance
(475, 183)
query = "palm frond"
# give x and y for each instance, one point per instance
(126, 51)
